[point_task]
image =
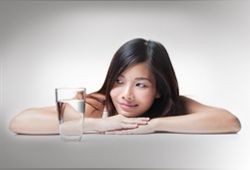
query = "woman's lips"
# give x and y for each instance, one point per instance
(126, 106)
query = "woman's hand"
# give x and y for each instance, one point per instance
(141, 129)
(120, 123)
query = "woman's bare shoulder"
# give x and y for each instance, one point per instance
(95, 103)
(97, 96)
(192, 105)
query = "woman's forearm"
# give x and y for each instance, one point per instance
(44, 121)
(93, 125)
(217, 121)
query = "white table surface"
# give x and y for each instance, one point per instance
(105, 151)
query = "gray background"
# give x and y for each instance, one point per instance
(49, 44)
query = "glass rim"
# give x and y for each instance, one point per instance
(70, 88)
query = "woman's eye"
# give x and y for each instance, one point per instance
(141, 85)
(119, 81)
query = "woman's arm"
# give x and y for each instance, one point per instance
(44, 121)
(199, 118)
(209, 120)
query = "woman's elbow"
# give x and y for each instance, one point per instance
(233, 123)
(236, 125)
(19, 122)
(14, 125)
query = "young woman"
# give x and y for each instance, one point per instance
(140, 95)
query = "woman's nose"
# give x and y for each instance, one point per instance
(128, 94)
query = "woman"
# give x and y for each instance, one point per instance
(140, 95)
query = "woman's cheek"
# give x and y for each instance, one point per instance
(114, 92)
(146, 97)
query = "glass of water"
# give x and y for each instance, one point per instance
(71, 109)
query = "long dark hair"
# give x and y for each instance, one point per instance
(155, 55)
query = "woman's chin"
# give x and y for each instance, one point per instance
(127, 114)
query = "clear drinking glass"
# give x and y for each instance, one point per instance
(71, 109)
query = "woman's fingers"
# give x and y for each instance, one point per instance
(128, 126)
(120, 122)
(115, 132)
(139, 121)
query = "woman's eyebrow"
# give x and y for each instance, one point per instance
(139, 78)
(144, 78)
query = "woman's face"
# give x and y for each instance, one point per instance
(134, 91)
